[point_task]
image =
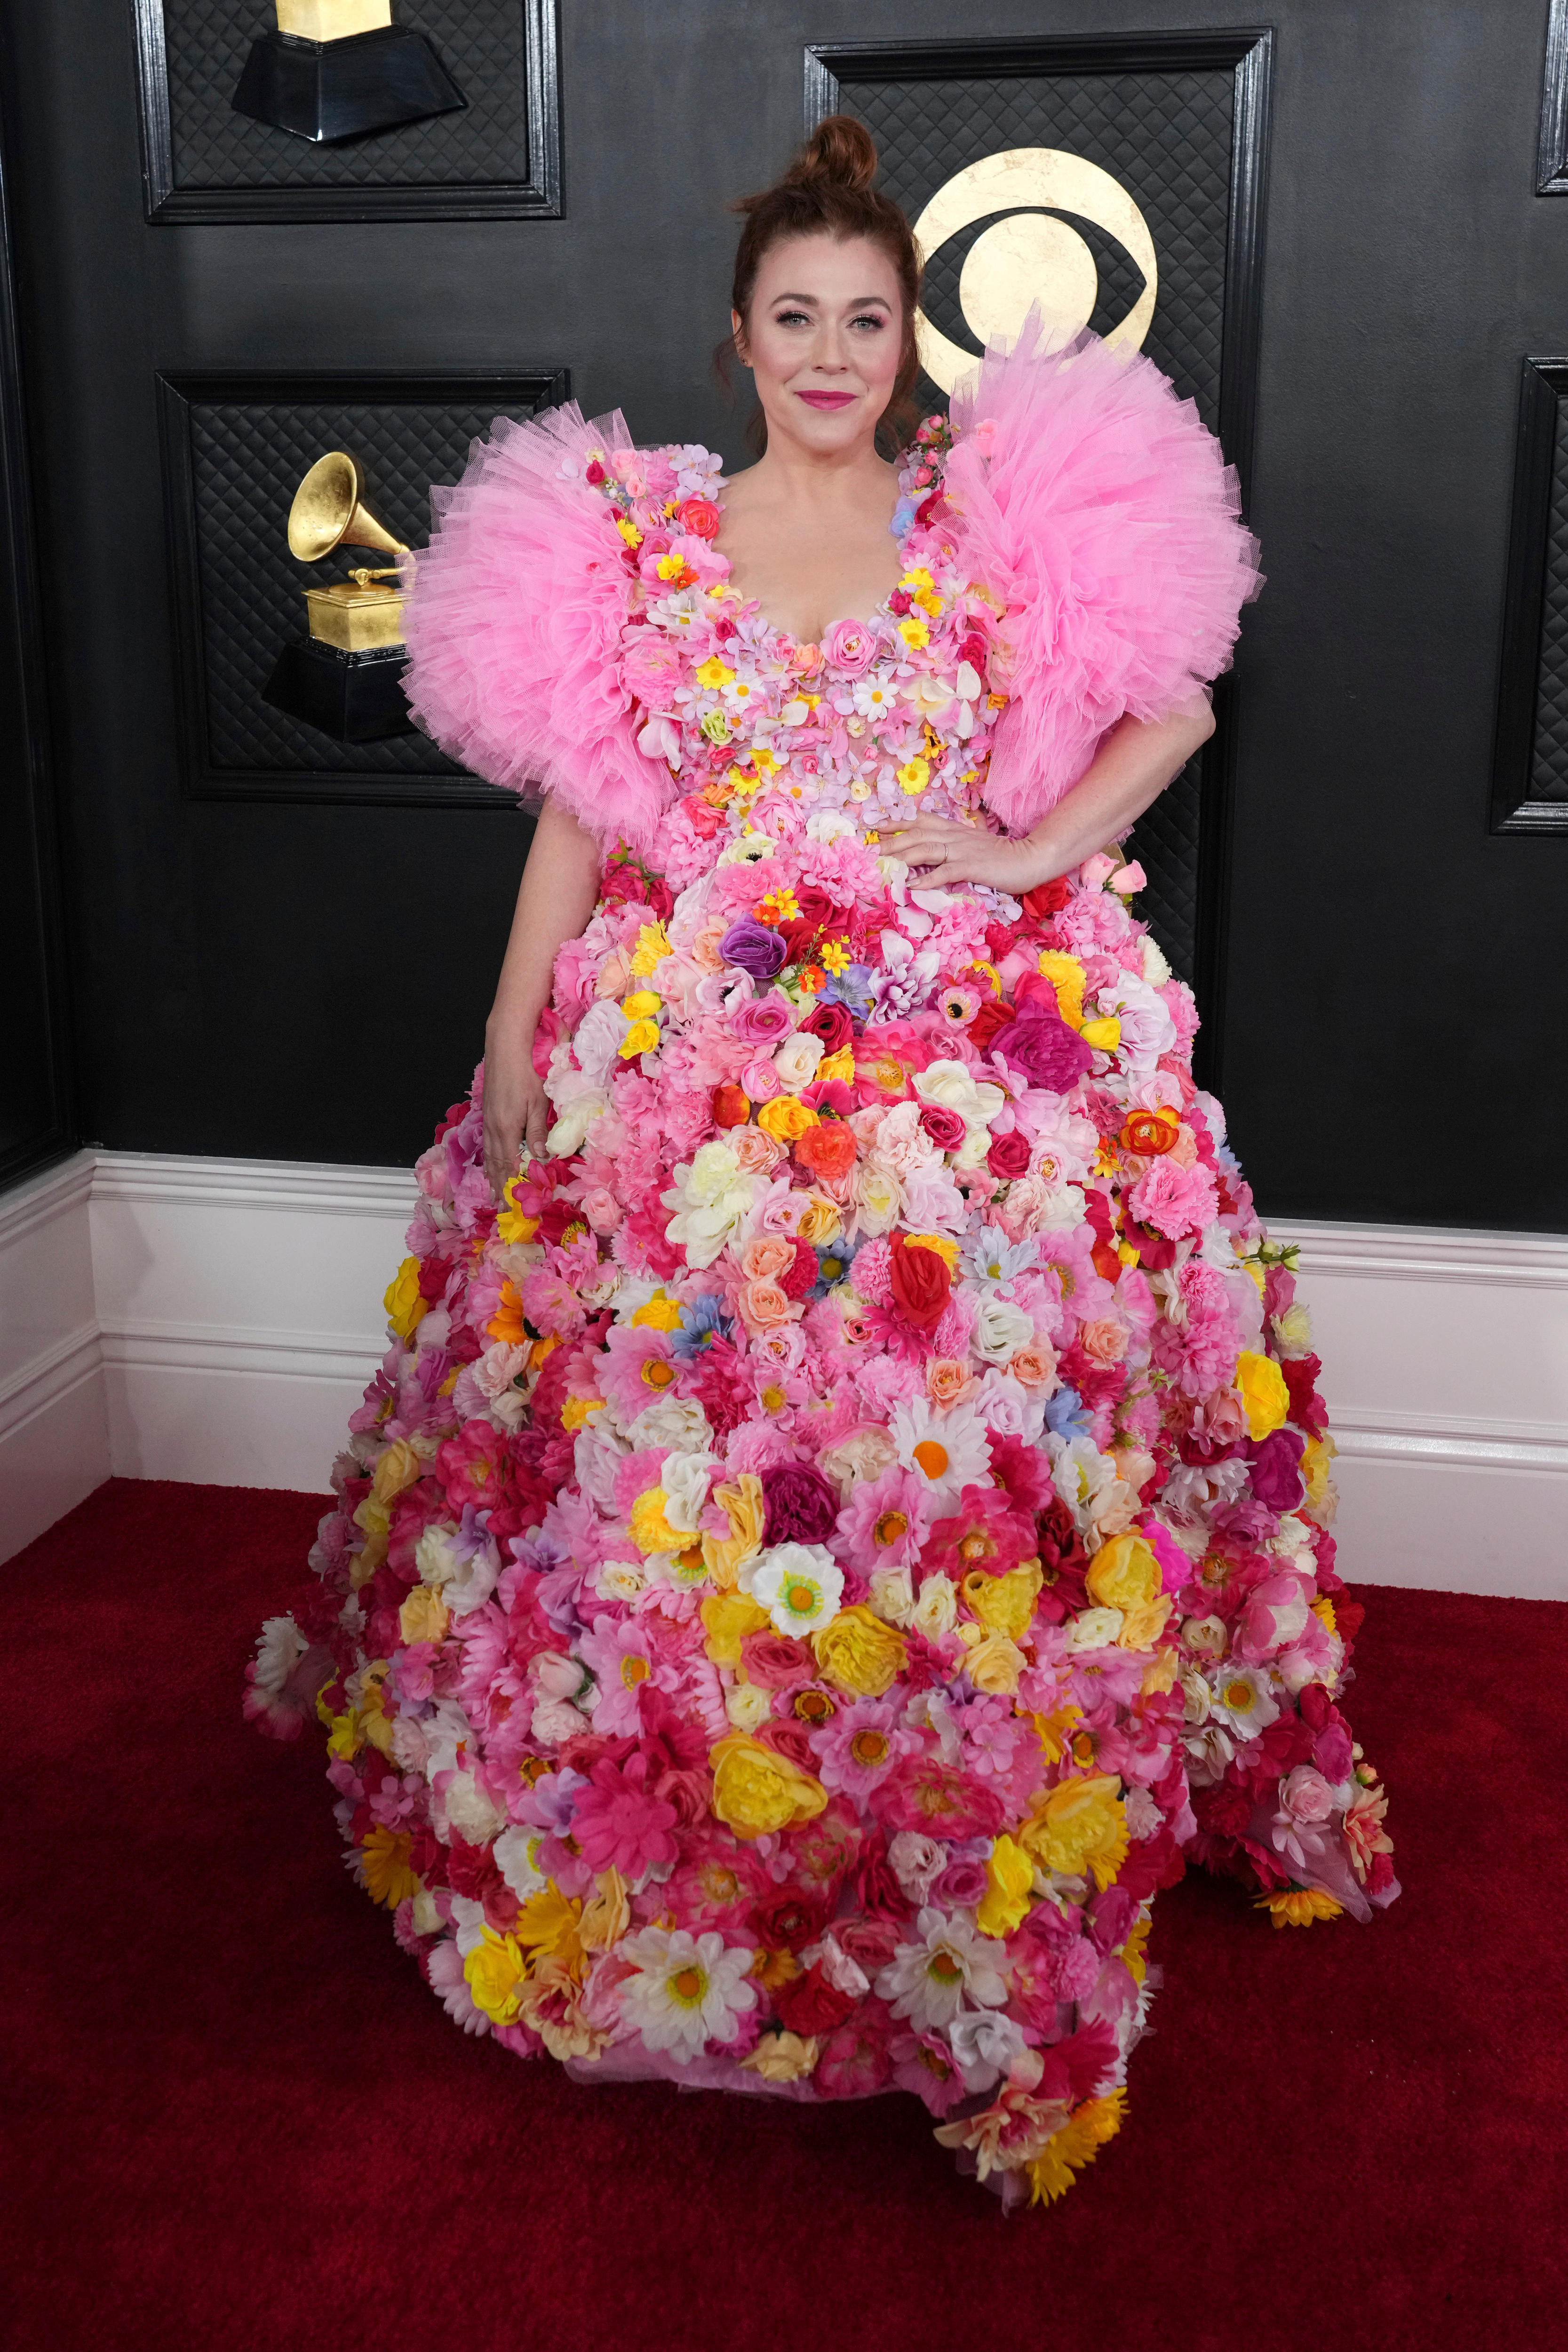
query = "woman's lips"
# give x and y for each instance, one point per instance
(826, 399)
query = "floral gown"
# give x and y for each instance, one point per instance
(853, 1522)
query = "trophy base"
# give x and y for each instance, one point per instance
(331, 91)
(353, 698)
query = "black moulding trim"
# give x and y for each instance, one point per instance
(1551, 146)
(537, 196)
(201, 778)
(1246, 51)
(1513, 807)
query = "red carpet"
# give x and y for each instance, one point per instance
(235, 2116)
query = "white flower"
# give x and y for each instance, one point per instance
(710, 1196)
(916, 1860)
(1147, 1028)
(472, 1580)
(799, 1585)
(1242, 1698)
(1142, 1807)
(929, 1981)
(433, 1556)
(879, 1200)
(1094, 1629)
(1197, 1697)
(794, 1064)
(678, 1423)
(279, 1647)
(948, 1449)
(936, 1611)
(556, 1719)
(1000, 1328)
(598, 1453)
(892, 1595)
(827, 825)
(953, 1086)
(450, 1986)
(1080, 1473)
(620, 1579)
(685, 1478)
(985, 2044)
(515, 1852)
(467, 1810)
(1010, 1410)
(748, 1705)
(1156, 970)
(687, 1989)
(595, 1044)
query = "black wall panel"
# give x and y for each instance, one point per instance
(312, 981)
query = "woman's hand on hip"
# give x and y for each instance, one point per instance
(517, 1109)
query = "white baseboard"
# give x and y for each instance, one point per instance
(216, 1320)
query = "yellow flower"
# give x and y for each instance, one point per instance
(820, 1221)
(778, 907)
(917, 576)
(929, 602)
(837, 1065)
(660, 1314)
(640, 1038)
(1319, 1453)
(384, 1859)
(1143, 1626)
(915, 776)
(994, 1663)
(725, 1555)
(1133, 1954)
(757, 1791)
(609, 1913)
(729, 1617)
(1261, 1386)
(1323, 1610)
(423, 1616)
(1004, 1605)
(343, 1741)
(1078, 1826)
(713, 672)
(405, 1308)
(628, 531)
(577, 1411)
(1123, 1574)
(398, 1467)
(946, 1249)
(1009, 1882)
(786, 1119)
(550, 1922)
(1054, 1730)
(651, 1531)
(511, 1225)
(641, 1005)
(1103, 1035)
(835, 956)
(858, 1652)
(1298, 1906)
(495, 1971)
(915, 633)
(1077, 2143)
(783, 2057)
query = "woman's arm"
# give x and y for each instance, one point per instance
(1136, 759)
(559, 884)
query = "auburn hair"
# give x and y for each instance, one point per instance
(829, 189)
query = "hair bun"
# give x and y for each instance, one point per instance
(840, 154)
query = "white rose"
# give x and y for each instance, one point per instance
(1206, 1635)
(434, 1556)
(916, 1860)
(1001, 1329)
(936, 1611)
(749, 1707)
(794, 1064)
(892, 1595)
(620, 1579)
(514, 1853)
(1094, 1629)
(685, 1478)
(470, 1811)
(880, 1202)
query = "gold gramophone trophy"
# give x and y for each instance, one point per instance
(345, 676)
(339, 69)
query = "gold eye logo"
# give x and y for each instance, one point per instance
(1032, 256)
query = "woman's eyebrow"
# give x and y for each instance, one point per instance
(859, 303)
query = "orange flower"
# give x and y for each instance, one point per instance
(813, 980)
(505, 1323)
(730, 1107)
(1150, 1132)
(828, 1150)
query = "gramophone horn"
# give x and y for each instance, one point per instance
(329, 511)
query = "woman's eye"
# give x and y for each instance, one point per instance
(869, 319)
(790, 318)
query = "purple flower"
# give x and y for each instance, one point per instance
(1277, 1470)
(962, 1883)
(754, 948)
(1039, 1044)
(802, 1508)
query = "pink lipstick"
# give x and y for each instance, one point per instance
(826, 399)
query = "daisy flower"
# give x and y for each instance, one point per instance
(1243, 1700)
(861, 1746)
(950, 1965)
(688, 1990)
(799, 1585)
(947, 1450)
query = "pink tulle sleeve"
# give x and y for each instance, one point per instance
(1099, 505)
(514, 629)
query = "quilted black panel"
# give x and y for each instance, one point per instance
(1166, 136)
(480, 42)
(1549, 778)
(247, 459)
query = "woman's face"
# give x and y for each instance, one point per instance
(824, 338)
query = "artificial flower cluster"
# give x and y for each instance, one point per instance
(821, 1556)
(885, 715)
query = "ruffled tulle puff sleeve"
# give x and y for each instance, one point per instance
(1101, 508)
(515, 627)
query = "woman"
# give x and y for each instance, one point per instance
(844, 1513)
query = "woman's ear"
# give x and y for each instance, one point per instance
(738, 332)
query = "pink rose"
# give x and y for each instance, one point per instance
(851, 647)
(1174, 1201)
(764, 1304)
(767, 1257)
(1306, 1795)
(757, 1152)
(651, 668)
(760, 1081)
(945, 1127)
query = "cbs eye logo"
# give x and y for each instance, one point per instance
(1032, 255)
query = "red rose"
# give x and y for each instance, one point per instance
(944, 1127)
(1047, 898)
(921, 1282)
(783, 1921)
(809, 2004)
(818, 919)
(730, 1107)
(832, 1024)
(593, 472)
(699, 516)
(828, 1151)
(992, 1015)
(1009, 1155)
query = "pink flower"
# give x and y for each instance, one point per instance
(851, 647)
(853, 2060)
(1306, 1795)
(619, 1655)
(1174, 1201)
(637, 1368)
(924, 1793)
(618, 1824)
(985, 1531)
(861, 1746)
(884, 1523)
